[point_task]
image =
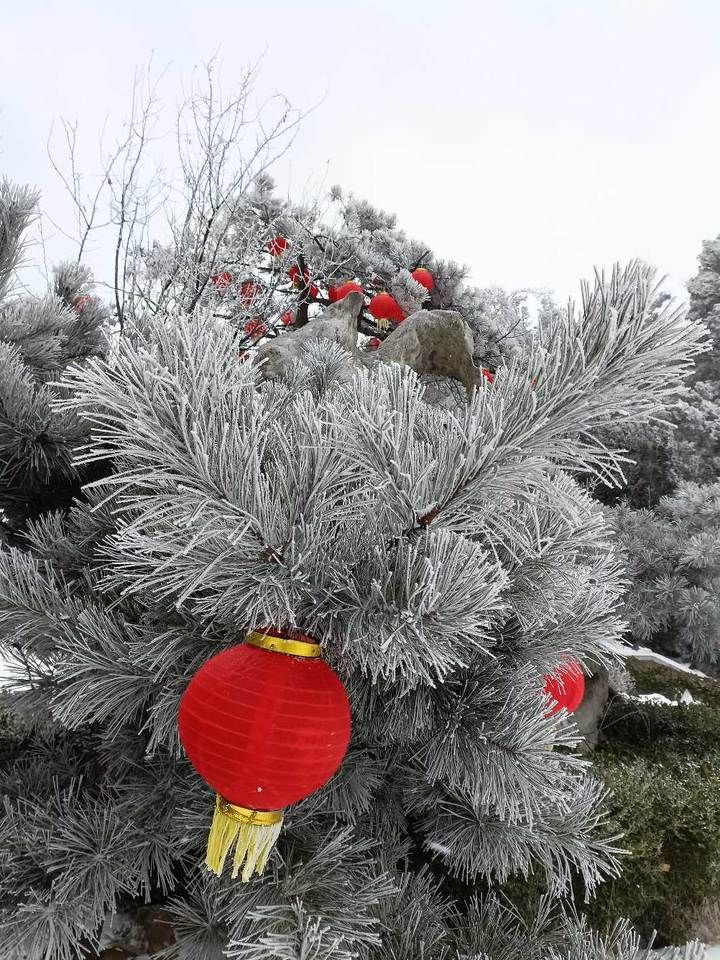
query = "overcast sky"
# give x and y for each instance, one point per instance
(530, 139)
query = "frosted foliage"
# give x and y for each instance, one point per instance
(673, 558)
(39, 337)
(668, 524)
(446, 560)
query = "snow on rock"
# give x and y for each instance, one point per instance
(686, 698)
(645, 653)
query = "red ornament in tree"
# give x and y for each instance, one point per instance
(277, 245)
(249, 292)
(287, 318)
(487, 375)
(294, 274)
(221, 281)
(313, 290)
(385, 309)
(423, 277)
(255, 328)
(348, 287)
(265, 724)
(374, 343)
(566, 687)
(79, 303)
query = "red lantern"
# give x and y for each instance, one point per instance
(277, 245)
(373, 343)
(294, 274)
(265, 724)
(221, 281)
(313, 290)
(487, 375)
(566, 687)
(255, 328)
(287, 318)
(332, 294)
(79, 303)
(348, 287)
(423, 277)
(385, 308)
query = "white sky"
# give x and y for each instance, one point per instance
(531, 139)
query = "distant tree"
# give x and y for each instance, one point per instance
(673, 557)
(39, 337)
(666, 518)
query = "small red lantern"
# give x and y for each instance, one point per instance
(348, 287)
(374, 343)
(255, 328)
(487, 375)
(287, 318)
(265, 724)
(249, 292)
(313, 290)
(566, 687)
(294, 274)
(423, 277)
(221, 281)
(384, 309)
(278, 245)
(79, 303)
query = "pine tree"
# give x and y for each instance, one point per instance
(39, 337)
(446, 559)
(667, 524)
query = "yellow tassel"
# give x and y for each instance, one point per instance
(254, 833)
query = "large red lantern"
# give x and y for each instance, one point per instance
(566, 687)
(423, 277)
(385, 309)
(265, 724)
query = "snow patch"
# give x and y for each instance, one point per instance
(645, 653)
(686, 699)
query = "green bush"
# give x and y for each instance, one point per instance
(662, 764)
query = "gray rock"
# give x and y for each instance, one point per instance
(337, 323)
(588, 715)
(434, 342)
